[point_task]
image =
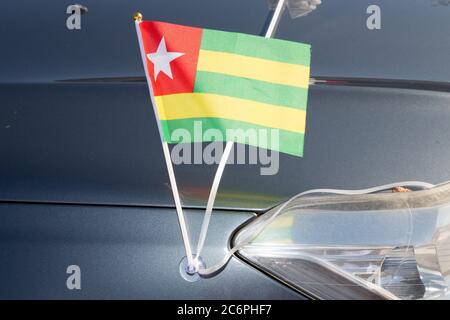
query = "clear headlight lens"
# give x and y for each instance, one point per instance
(385, 245)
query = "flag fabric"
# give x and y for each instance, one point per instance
(226, 80)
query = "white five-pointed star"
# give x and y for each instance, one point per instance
(161, 59)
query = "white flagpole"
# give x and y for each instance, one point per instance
(212, 197)
(173, 182)
(270, 32)
(273, 25)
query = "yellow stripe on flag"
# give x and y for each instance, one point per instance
(254, 68)
(205, 105)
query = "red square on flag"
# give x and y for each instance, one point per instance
(171, 53)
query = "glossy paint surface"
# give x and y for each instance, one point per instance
(82, 175)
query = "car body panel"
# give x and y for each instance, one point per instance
(98, 143)
(123, 253)
(82, 174)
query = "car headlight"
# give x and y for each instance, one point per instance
(372, 246)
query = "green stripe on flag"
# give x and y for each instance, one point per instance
(256, 46)
(261, 91)
(289, 142)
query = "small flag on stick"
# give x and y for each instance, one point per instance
(227, 80)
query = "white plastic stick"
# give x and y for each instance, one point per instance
(176, 196)
(272, 28)
(212, 196)
(223, 160)
(173, 182)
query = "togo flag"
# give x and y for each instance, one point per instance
(226, 81)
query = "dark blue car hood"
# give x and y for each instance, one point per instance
(77, 126)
